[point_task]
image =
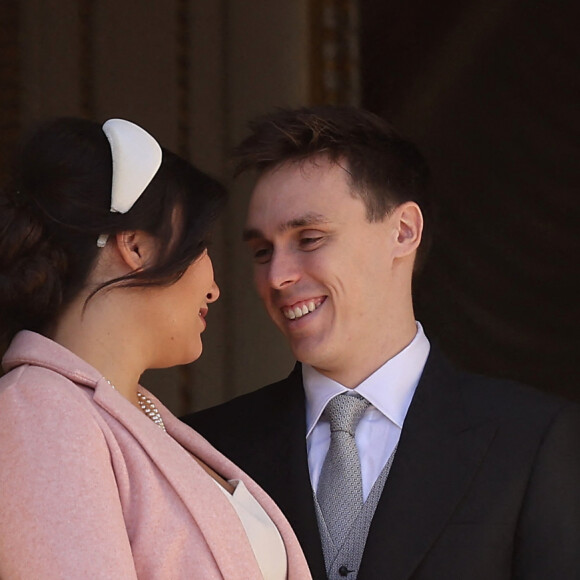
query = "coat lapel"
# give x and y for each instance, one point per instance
(440, 449)
(297, 566)
(282, 463)
(264, 432)
(208, 506)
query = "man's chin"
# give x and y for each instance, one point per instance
(306, 354)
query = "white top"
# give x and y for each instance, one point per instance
(263, 535)
(389, 389)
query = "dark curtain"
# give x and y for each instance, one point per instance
(9, 83)
(490, 91)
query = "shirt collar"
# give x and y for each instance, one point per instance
(389, 389)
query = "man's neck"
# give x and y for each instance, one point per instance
(351, 373)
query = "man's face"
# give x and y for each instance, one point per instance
(323, 271)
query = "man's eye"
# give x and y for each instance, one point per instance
(310, 241)
(262, 255)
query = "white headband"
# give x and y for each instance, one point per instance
(136, 160)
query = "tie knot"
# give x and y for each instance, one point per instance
(345, 411)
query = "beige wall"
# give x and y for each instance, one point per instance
(193, 73)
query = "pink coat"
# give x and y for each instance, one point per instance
(91, 488)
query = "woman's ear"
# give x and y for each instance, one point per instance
(137, 248)
(409, 222)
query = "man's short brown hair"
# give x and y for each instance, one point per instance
(385, 169)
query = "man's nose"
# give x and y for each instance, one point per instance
(284, 269)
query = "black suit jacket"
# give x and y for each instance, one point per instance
(485, 483)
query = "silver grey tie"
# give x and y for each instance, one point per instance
(339, 491)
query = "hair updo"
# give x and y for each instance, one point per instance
(58, 203)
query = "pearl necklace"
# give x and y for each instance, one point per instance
(150, 410)
(148, 407)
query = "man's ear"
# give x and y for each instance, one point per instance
(408, 219)
(136, 248)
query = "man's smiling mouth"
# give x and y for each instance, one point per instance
(301, 308)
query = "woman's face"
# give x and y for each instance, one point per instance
(179, 313)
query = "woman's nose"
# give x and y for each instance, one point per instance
(214, 293)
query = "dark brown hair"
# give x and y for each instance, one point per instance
(58, 203)
(385, 169)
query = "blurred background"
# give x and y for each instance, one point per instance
(488, 89)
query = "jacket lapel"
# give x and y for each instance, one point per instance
(439, 451)
(264, 433)
(297, 566)
(207, 504)
(281, 446)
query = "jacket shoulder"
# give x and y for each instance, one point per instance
(488, 397)
(252, 408)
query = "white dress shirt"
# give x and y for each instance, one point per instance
(389, 389)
